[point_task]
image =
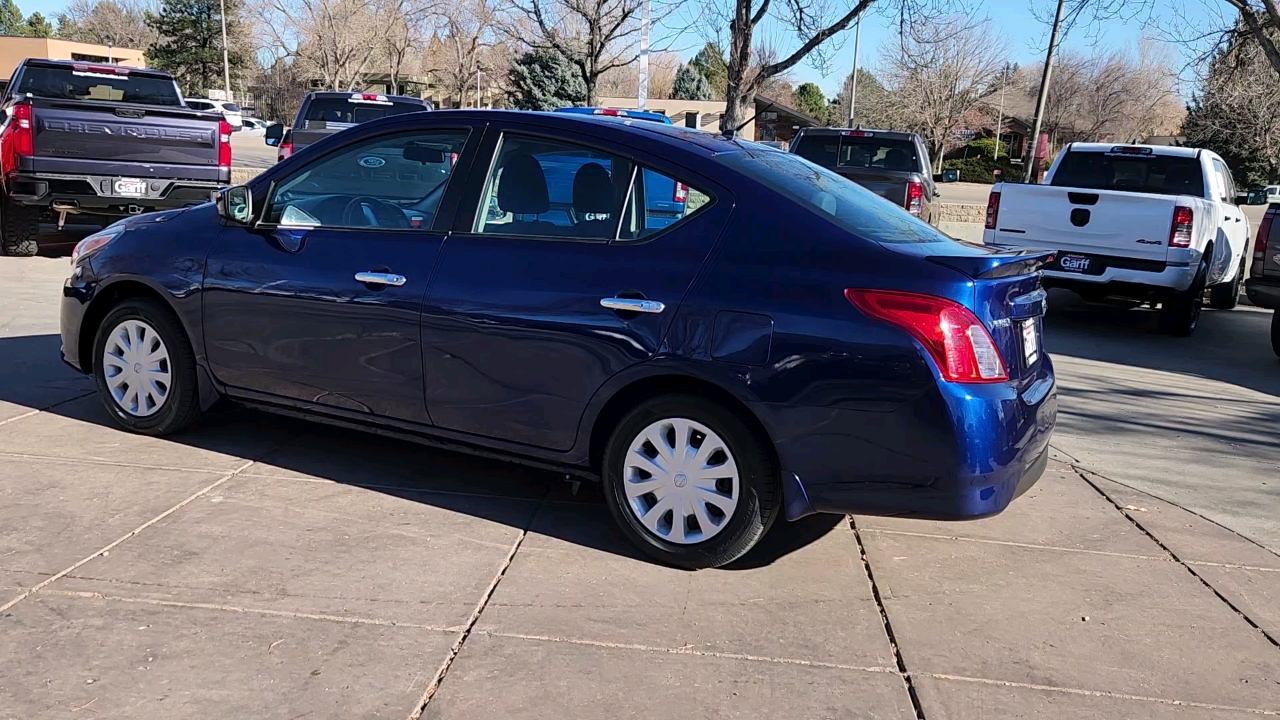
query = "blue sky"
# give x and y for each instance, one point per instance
(1016, 19)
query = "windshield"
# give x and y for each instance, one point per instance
(1158, 174)
(230, 107)
(338, 113)
(67, 83)
(841, 201)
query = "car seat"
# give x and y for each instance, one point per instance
(593, 194)
(522, 191)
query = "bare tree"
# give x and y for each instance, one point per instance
(466, 33)
(115, 23)
(942, 70)
(334, 39)
(625, 81)
(595, 35)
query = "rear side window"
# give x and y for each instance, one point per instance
(825, 193)
(882, 153)
(70, 83)
(1157, 174)
(657, 202)
(341, 113)
(231, 107)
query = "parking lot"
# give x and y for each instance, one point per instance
(268, 568)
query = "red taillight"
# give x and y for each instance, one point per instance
(993, 210)
(224, 144)
(1180, 230)
(1260, 243)
(857, 133)
(286, 151)
(915, 195)
(681, 193)
(18, 139)
(608, 111)
(957, 340)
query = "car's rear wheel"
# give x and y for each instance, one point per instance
(145, 369)
(688, 482)
(19, 229)
(1225, 296)
(1179, 314)
(1275, 332)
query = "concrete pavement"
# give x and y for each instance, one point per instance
(267, 568)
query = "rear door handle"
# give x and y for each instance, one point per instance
(380, 278)
(632, 305)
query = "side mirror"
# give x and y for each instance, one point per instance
(1253, 197)
(274, 134)
(235, 204)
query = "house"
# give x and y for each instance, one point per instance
(771, 122)
(14, 50)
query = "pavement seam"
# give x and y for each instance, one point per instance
(1084, 476)
(884, 619)
(249, 610)
(110, 463)
(465, 632)
(37, 411)
(1100, 693)
(191, 498)
(1010, 543)
(686, 650)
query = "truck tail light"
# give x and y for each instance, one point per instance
(681, 193)
(993, 210)
(18, 139)
(286, 151)
(915, 197)
(224, 144)
(958, 342)
(1180, 230)
(1260, 243)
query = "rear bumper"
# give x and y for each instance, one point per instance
(92, 193)
(1263, 292)
(1173, 277)
(960, 453)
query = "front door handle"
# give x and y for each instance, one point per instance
(380, 278)
(632, 305)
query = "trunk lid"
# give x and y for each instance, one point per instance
(1108, 222)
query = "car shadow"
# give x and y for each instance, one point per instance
(31, 378)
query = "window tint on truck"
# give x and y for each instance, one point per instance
(1157, 174)
(340, 113)
(68, 83)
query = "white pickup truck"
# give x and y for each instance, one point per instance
(1156, 224)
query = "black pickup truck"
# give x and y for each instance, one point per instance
(325, 113)
(102, 140)
(893, 165)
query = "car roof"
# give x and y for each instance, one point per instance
(618, 112)
(48, 62)
(1167, 150)
(392, 98)
(891, 134)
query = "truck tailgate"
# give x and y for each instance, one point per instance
(888, 184)
(1105, 222)
(95, 137)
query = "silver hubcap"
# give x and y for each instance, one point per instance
(681, 481)
(135, 363)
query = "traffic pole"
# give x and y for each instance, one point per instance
(1044, 94)
(643, 93)
(226, 65)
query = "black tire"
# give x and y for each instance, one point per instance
(19, 230)
(1225, 296)
(1179, 314)
(181, 407)
(1275, 332)
(759, 493)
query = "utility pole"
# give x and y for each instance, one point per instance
(1044, 94)
(1004, 82)
(477, 87)
(853, 90)
(643, 98)
(226, 64)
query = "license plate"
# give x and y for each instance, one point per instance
(130, 187)
(1074, 263)
(1030, 342)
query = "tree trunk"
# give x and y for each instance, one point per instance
(739, 93)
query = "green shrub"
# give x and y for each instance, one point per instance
(980, 169)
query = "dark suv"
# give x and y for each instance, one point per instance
(893, 165)
(1263, 284)
(325, 113)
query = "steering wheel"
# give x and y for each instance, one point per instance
(385, 215)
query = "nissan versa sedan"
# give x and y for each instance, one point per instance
(790, 344)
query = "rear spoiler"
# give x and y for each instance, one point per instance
(1002, 262)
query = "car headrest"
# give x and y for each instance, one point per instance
(523, 187)
(897, 159)
(593, 190)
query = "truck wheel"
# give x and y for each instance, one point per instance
(1179, 314)
(19, 230)
(1275, 332)
(1226, 296)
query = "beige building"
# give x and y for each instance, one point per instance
(14, 50)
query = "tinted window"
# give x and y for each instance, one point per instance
(825, 193)
(553, 189)
(339, 113)
(1159, 174)
(393, 182)
(67, 83)
(874, 152)
(230, 107)
(819, 149)
(665, 201)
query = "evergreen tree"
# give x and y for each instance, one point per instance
(545, 80)
(190, 44)
(711, 64)
(39, 26)
(11, 20)
(690, 84)
(810, 101)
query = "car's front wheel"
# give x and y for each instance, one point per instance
(689, 483)
(145, 368)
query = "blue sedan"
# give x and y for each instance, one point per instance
(789, 344)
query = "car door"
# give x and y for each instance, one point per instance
(1235, 227)
(543, 295)
(320, 301)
